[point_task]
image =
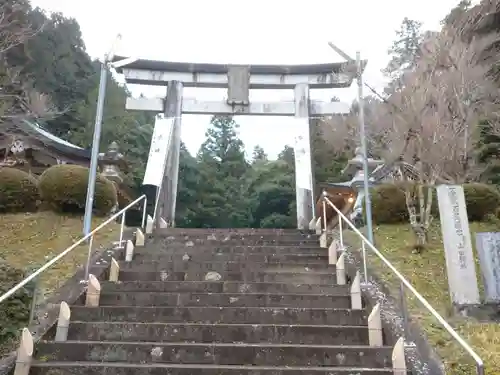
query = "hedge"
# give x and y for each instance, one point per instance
(389, 203)
(64, 189)
(15, 311)
(133, 217)
(18, 191)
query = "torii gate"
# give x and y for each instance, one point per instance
(238, 80)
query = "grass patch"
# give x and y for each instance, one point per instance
(28, 241)
(427, 273)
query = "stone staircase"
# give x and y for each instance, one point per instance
(254, 302)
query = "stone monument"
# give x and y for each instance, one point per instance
(460, 264)
(488, 249)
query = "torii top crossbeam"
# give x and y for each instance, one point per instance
(158, 73)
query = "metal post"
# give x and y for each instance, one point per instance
(303, 165)
(87, 221)
(36, 288)
(168, 194)
(362, 135)
(324, 215)
(144, 213)
(403, 309)
(89, 255)
(365, 261)
(341, 235)
(122, 228)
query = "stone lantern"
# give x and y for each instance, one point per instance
(112, 163)
(355, 166)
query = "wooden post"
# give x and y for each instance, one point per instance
(318, 226)
(312, 224)
(398, 358)
(24, 353)
(139, 238)
(375, 337)
(332, 252)
(129, 251)
(149, 225)
(93, 292)
(63, 322)
(356, 302)
(114, 270)
(340, 270)
(323, 240)
(163, 223)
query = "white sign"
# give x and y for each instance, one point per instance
(460, 262)
(155, 167)
(302, 150)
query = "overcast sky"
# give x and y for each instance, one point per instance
(260, 32)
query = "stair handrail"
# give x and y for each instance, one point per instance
(89, 237)
(461, 341)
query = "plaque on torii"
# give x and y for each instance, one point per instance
(238, 80)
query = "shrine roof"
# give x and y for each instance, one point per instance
(210, 68)
(53, 141)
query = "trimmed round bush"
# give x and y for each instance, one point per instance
(18, 191)
(482, 200)
(389, 204)
(64, 189)
(133, 217)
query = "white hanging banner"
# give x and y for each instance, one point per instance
(302, 150)
(460, 264)
(158, 151)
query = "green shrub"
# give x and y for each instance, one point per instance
(18, 191)
(15, 311)
(133, 217)
(482, 201)
(389, 204)
(64, 189)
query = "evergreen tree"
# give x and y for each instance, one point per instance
(222, 166)
(405, 49)
(488, 154)
(259, 154)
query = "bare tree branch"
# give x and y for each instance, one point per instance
(19, 98)
(432, 117)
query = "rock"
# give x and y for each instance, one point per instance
(213, 276)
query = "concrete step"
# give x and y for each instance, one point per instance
(117, 368)
(216, 354)
(196, 256)
(223, 299)
(250, 241)
(327, 278)
(213, 315)
(217, 266)
(246, 231)
(213, 236)
(222, 287)
(159, 249)
(225, 333)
